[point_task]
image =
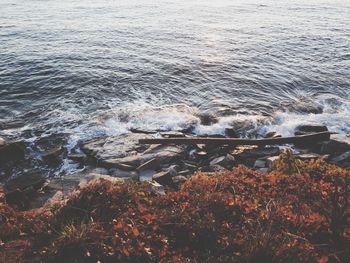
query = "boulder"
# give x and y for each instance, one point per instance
(305, 129)
(3, 142)
(12, 152)
(258, 153)
(31, 180)
(53, 154)
(153, 164)
(227, 161)
(207, 119)
(163, 177)
(338, 144)
(231, 133)
(95, 176)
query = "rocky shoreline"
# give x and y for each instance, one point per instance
(166, 167)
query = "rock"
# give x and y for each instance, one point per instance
(153, 164)
(144, 131)
(272, 135)
(307, 156)
(227, 161)
(78, 157)
(231, 133)
(12, 152)
(184, 172)
(53, 154)
(146, 175)
(201, 154)
(260, 163)
(32, 180)
(180, 179)
(173, 169)
(259, 153)
(342, 158)
(338, 144)
(127, 163)
(271, 159)
(164, 177)
(305, 129)
(207, 119)
(164, 153)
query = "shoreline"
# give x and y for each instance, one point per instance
(168, 166)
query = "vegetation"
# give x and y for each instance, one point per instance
(298, 213)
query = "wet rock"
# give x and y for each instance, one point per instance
(115, 172)
(144, 131)
(231, 133)
(153, 164)
(305, 129)
(32, 180)
(184, 172)
(53, 154)
(207, 119)
(78, 157)
(271, 159)
(12, 152)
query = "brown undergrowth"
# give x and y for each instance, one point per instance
(298, 213)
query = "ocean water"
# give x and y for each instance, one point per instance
(83, 69)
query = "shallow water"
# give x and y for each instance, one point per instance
(91, 68)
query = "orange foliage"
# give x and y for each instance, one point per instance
(238, 216)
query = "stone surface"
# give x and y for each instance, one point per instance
(342, 158)
(231, 133)
(153, 164)
(78, 157)
(163, 177)
(305, 129)
(2, 142)
(146, 175)
(11, 152)
(95, 176)
(31, 180)
(307, 156)
(180, 179)
(53, 154)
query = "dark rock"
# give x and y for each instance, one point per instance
(341, 158)
(265, 170)
(164, 177)
(272, 135)
(207, 119)
(96, 176)
(156, 188)
(144, 131)
(53, 154)
(32, 179)
(78, 157)
(338, 144)
(231, 133)
(305, 129)
(259, 153)
(153, 164)
(100, 170)
(227, 161)
(12, 152)
(127, 163)
(184, 172)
